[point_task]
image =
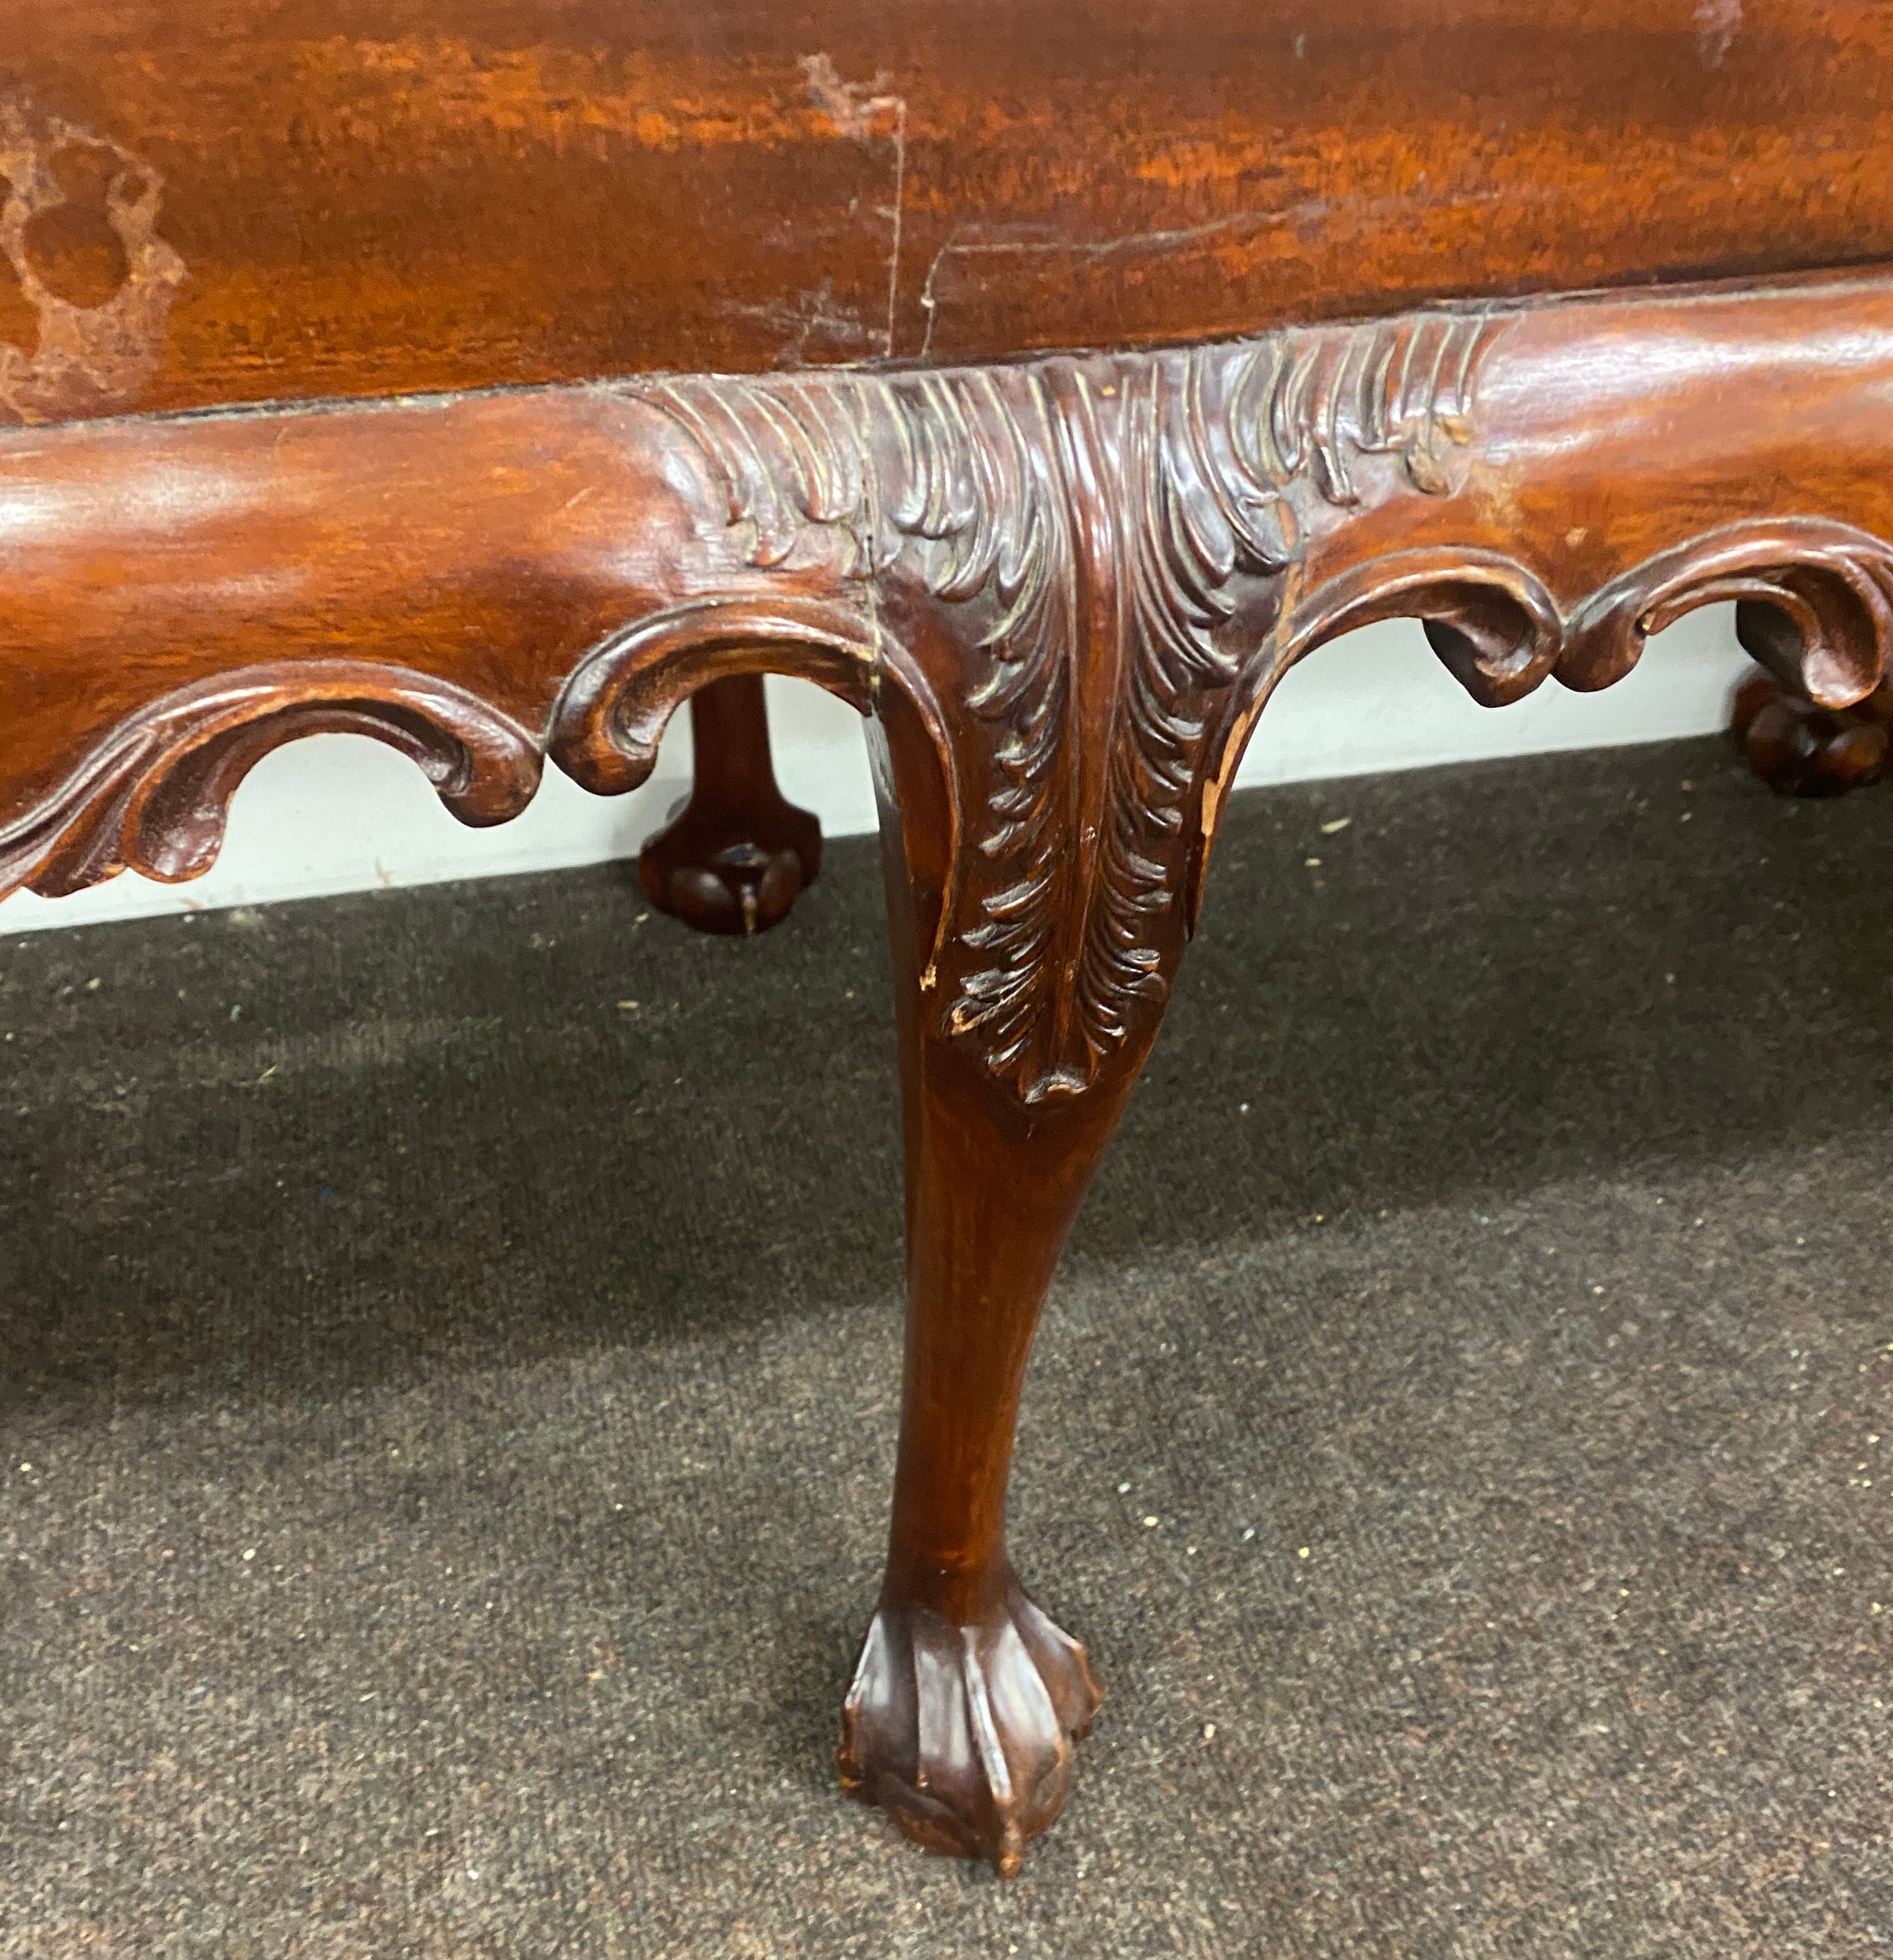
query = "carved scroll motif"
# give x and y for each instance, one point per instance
(153, 798)
(1081, 576)
(1110, 536)
(1813, 598)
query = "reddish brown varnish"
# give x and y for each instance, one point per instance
(1063, 589)
(1798, 749)
(738, 854)
(377, 196)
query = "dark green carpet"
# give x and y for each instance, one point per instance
(460, 1409)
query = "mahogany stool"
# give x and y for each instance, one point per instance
(490, 377)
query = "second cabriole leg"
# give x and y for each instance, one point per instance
(1798, 749)
(736, 856)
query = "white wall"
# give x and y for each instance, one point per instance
(341, 813)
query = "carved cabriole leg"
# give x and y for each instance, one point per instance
(1034, 863)
(1066, 588)
(968, 1699)
(1078, 583)
(735, 858)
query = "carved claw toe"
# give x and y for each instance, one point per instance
(964, 1734)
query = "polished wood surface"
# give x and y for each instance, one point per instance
(1064, 589)
(254, 201)
(1799, 749)
(1542, 482)
(492, 377)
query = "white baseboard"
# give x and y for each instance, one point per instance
(341, 813)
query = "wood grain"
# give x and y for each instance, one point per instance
(419, 195)
(1064, 589)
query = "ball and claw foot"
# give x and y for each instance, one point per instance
(964, 1734)
(1799, 749)
(737, 888)
(735, 856)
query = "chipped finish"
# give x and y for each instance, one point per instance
(864, 111)
(454, 194)
(1718, 22)
(86, 360)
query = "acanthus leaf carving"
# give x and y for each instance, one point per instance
(1084, 574)
(1101, 525)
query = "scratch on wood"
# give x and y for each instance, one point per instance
(1308, 211)
(809, 315)
(857, 109)
(88, 360)
(1240, 225)
(1086, 250)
